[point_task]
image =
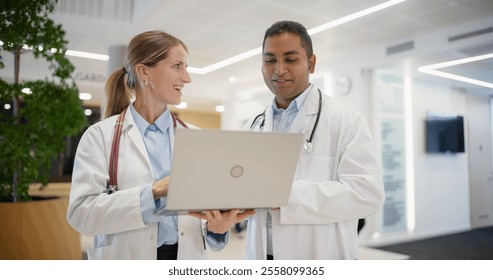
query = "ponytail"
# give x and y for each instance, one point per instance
(117, 95)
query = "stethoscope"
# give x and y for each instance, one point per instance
(112, 184)
(308, 144)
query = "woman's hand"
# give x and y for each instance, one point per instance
(160, 188)
(220, 222)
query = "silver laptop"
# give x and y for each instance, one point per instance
(218, 169)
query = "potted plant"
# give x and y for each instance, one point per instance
(43, 112)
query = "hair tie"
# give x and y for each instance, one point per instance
(124, 70)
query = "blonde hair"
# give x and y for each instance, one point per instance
(146, 48)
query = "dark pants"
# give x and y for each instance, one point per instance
(167, 252)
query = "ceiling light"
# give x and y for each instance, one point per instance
(182, 105)
(312, 31)
(220, 108)
(232, 79)
(250, 53)
(225, 62)
(27, 91)
(354, 16)
(85, 96)
(432, 70)
(88, 55)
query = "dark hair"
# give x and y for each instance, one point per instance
(296, 28)
(146, 48)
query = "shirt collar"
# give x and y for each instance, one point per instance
(163, 122)
(298, 101)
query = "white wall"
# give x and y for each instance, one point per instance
(441, 180)
(480, 152)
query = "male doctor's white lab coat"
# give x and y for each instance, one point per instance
(115, 220)
(334, 185)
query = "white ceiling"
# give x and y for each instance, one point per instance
(216, 29)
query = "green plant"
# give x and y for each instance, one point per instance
(44, 112)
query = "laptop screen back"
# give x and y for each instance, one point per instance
(218, 169)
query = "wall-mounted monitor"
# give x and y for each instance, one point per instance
(444, 133)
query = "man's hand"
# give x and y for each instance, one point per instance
(221, 222)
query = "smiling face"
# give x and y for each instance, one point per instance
(286, 67)
(168, 77)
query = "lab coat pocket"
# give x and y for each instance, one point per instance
(317, 168)
(101, 253)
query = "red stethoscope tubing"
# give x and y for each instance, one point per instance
(112, 184)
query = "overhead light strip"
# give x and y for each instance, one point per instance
(256, 51)
(432, 70)
(354, 16)
(88, 55)
(311, 31)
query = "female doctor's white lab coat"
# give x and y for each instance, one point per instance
(334, 185)
(115, 220)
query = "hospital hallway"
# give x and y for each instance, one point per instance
(476, 244)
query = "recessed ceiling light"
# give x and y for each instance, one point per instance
(182, 105)
(220, 108)
(432, 70)
(85, 96)
(27, 90)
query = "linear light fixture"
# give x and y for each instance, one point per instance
(88, 55)
(311, 31)
(432, 70)
(353, 16)
(225, 62)
(71, 53)
(253, 52)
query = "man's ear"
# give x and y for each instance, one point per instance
(311, 63)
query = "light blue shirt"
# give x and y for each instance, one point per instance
(283, 118)
(156, 138)
(282, 121)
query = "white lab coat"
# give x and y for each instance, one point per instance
(115, 220)
(334, 185)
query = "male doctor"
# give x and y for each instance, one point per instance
(337, 180)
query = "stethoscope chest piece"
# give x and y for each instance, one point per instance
(308, 146)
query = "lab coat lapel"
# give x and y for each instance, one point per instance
(134, 135)
(306, 112)
(268, 119)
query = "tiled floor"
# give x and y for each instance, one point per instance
(235, 250)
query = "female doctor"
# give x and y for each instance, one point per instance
(337, 180)
(118, 209)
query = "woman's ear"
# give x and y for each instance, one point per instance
(141, 71)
